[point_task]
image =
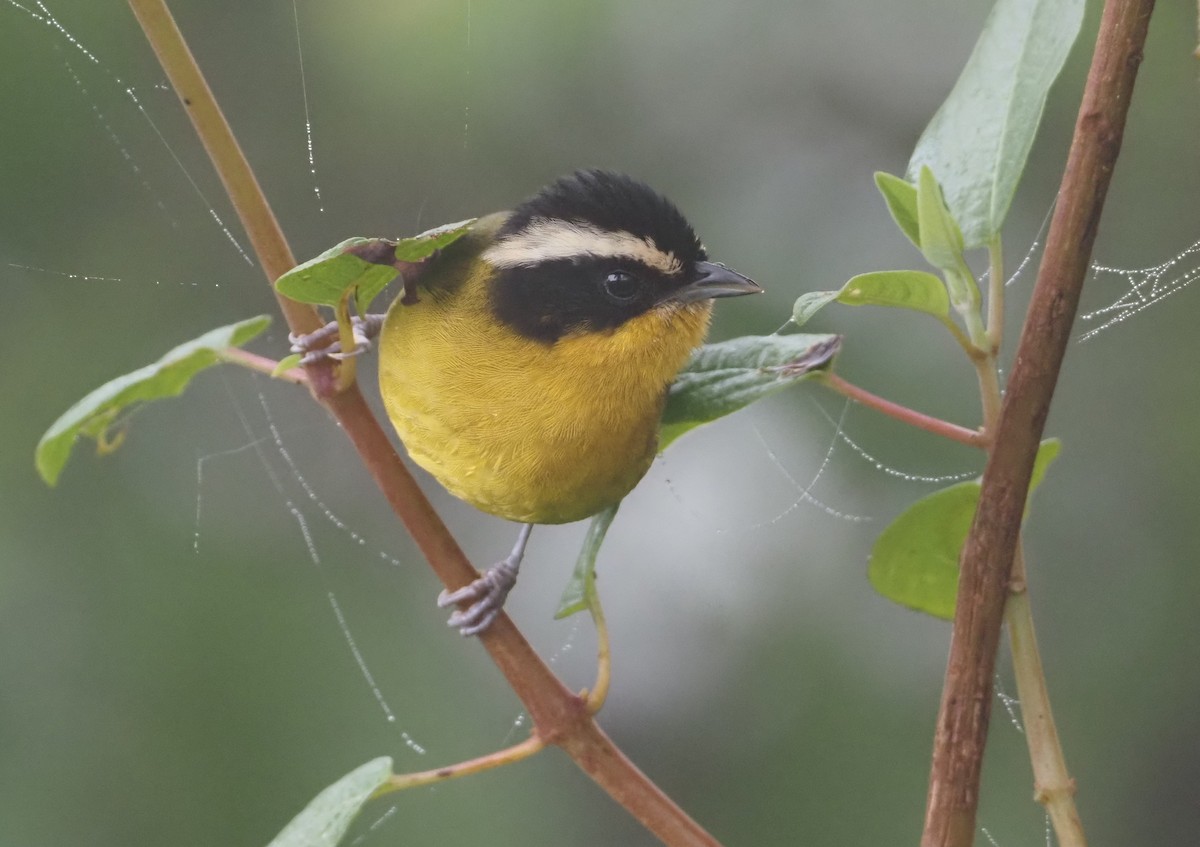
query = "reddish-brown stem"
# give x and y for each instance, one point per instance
(560, 717)
(988, 554)
(969, 437)
(261, 364)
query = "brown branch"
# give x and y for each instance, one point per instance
(988, 554)
(560, 717)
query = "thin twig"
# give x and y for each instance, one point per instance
(507, 756)
(969, 437)
(263, 365)
(988, 554)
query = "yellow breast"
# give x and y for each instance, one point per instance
(526, 430)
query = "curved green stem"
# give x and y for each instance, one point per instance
(507, 756)
(995, 303)
(599, 691)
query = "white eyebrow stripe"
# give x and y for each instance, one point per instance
(547, 240)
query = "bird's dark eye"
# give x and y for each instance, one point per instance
(622, 286)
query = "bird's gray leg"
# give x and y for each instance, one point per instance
(486, 594)
(365, 328)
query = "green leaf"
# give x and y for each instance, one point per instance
(917, 290)
(809, 303)
(287, 363)
(580, 593)
(901, 198)
(978, 141)
(422, 246)
(324, 821)
(363, 264)
(723, 377)
(915, 560)
(941, 241)
(95, 415)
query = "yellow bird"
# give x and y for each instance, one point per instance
(530, 374)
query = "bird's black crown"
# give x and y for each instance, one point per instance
(589, 252)
(615, 203)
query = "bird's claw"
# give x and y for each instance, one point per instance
(316, 346)
(486, 596)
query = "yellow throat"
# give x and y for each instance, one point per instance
(527, 430)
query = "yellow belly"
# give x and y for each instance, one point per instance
(529, 431)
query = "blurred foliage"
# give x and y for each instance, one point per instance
(172, 670)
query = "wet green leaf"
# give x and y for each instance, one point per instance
(96, 415)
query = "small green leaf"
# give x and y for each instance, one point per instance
(809, 303)
(580, 593)
(979, 140)
(95, 415)
(917, 290)
(941, 242)
(324, 821)
(422, 246)
(356, 263)
(901, 198)
(287, 363)
(915, 560)
(724, 377)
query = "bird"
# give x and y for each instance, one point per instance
(529, 373)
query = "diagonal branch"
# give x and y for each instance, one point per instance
(988, 554)
(560, 717)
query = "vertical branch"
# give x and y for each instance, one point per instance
(988, 554)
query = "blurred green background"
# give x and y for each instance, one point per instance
(171, 668)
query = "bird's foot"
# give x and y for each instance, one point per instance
(316, 346)
(486, 596)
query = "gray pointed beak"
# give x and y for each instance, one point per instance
(715, 280)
